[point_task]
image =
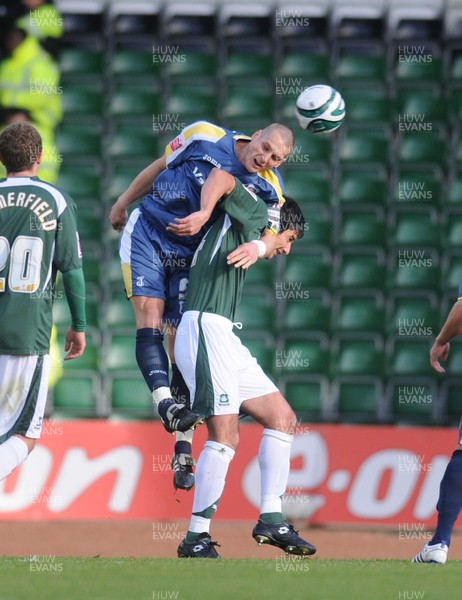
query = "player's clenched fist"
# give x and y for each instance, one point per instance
(118, 216)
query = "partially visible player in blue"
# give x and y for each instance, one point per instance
(450, 497)
(160, 238)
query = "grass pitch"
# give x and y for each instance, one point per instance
(54, 577)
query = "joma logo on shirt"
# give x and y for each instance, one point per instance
(212, 160)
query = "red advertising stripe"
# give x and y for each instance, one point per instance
(339, 474)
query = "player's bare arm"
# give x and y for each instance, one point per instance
(218, 184)
(452, 328)
(138, 188)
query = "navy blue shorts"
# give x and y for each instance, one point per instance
(153, 267)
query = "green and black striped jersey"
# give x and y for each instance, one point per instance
(38, 237)
(214, 286)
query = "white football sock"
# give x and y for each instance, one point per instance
(211, 471)
(186, 436)
(13, 452)
(160, 394)
(274, 461)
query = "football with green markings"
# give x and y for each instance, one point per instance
(320, 109)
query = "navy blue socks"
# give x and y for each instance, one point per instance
(450, 500)
(151, 357)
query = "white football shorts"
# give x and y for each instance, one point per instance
(218, 369)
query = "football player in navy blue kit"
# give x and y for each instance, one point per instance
(161, 236)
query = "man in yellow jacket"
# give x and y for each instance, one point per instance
(29, 79)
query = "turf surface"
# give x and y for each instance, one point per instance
(50, 578)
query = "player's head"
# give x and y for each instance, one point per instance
(291, 229)
(268, 148)
(20, 147)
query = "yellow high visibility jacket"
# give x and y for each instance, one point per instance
(43, 22)
(29, 79)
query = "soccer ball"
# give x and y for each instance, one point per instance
(320, 109)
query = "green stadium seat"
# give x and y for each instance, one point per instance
(248, 102)
(353, 312)
(261, 346)
(451, 396)
(244, 66)
(359, 227)
(120, 353)
(414, 227)
(119, 314)
(455, 104)
(303, 354)
(359, 67)
(410, 71)
(121, 177)
(80, 64)
(412, 313)
(62, 315)
(311, 313)
(133, 142)
(256, 312)
(357, 354)
(113, 271)
(363, 186)
(307, 395)
(77, 395)
(358, 399)
(453, 363)
(192, 103)
(364, 147)
(79, 142)
(408, 356)
(308, 186)
(413, 400)
(92, 263)
(426, 103)
(414, 269)
(193, 66)
(80, 181)
(135, 64)
(457, 154)
(367, 104)
(452, 272)
(311, 149)
(311, 269)
(90, 222)
(82, 103)
(422, 149)
(130, 396)
(129, 101)
(318, 228)
(310, 67)
(261, 274)
(357, 268)
(452, 229)
(455, 69)
(417, 187)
